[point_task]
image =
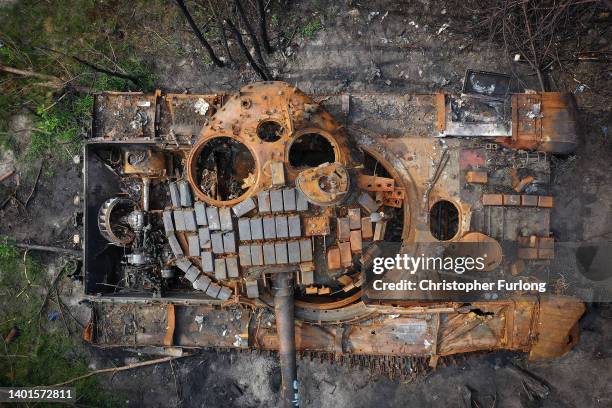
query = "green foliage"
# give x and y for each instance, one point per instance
(311, 28)
(42, 36)
(48, 355)
(58, 128)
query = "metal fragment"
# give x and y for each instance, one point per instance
(220, 269)
(231, 263)
(257, 258)
(244, 252)
(276, 200)
(185, 193)
(269, 255)
(289, 203)
(280, 250)
(257, 231)
(282, 227)
(244, 229)
(194, 245)
(269, 227)
(225, 217)
(240, 209)
(216, 239)
(212, 213)
(200, 212)
(207, 262)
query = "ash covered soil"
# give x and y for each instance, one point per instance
(369, 47)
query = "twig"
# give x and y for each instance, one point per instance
(115, 370)
(72, 252)
(536, 64)
(25, 267)
(34, 186)
(53, 283)
(59, 305)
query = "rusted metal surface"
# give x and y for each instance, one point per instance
(545, 121)
(545, 327)
(324, 185)
(241, 117)
(315, 214)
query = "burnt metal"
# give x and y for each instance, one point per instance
(285, 323)
(391, 182)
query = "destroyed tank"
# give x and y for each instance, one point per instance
(248, 221)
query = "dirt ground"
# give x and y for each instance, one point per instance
(377, 46)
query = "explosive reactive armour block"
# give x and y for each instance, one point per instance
(212, 213)
(168, 224)
(185, 193)
(220, 270)
(244, 207)
(204, 234)
(244, 229)
(200, 212)
(207, 262)
(257, 231)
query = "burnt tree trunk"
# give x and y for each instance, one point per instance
(244, 49)
(263, 26)
(221, 28)
(249, 29)
(198, 33)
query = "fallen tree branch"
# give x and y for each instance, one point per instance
(67, 251)
(115, 370)
(28, 73)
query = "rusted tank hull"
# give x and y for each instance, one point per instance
(420, 168)
(544, 328)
